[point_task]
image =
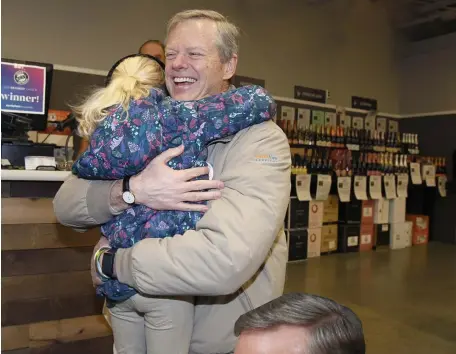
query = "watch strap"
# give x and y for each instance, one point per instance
(107, 264)
(126, 184)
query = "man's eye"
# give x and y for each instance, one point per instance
(170, 55)
(195, 54)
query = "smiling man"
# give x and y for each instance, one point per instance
(198, 68)
(236, 258)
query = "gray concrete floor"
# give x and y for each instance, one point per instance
(405, 298)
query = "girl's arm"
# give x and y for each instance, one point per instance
(227, 113)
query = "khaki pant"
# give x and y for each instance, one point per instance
(212, 329)
(152, 325)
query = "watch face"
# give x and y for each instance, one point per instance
(128, 197)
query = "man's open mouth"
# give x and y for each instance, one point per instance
(183, 81)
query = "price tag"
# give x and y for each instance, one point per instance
(393, 126)
(323, 187)
(381, 125)
(330, 119)
(442, 185)
(345, 120)
(366, 239)
(303, 118)
(344, 188)
(415, 173)
(318, 118)
(287, 113)
(352, 241)
(361, 187)
(303, 188)
(402, 185)
(367, 212)
(375, 187)
(358, 122)
(369, 122)
(429, 175)
(389, 182)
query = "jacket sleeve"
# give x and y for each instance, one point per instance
(81, 203)
(233, 239)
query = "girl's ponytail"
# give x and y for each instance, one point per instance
(133, 78)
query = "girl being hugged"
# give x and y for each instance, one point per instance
(128, 123)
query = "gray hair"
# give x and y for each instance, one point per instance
(331, 328)
(228, 34)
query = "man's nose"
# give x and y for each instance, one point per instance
(180, 62)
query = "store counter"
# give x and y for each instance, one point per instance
(32, 183)
(47, 295)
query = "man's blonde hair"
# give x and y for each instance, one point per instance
(133, 78)
(228, 34)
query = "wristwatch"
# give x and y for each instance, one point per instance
(107, 264)
(127, 196)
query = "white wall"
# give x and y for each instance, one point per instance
(345, 46)
(428, 76)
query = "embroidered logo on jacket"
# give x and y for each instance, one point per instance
(265, 158)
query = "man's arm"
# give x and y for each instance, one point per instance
(81, 203)
(233, 238)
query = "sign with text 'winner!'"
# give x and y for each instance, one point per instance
(23, 88)
(309, 94)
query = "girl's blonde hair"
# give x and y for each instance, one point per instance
(133, 78)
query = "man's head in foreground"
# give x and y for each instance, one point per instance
(300, 324)
(201, 54)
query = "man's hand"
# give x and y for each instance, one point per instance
(96, 280)
(160, 187)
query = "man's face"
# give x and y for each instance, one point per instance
(279, 340)
(155, 50)
(193, 66)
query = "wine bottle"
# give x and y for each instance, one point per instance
(343, 132)
(374, 165)
(396, 169)
(300, 136)
(391, 163)
(348, 166)
(319, 165)
(328, 136)
(333, 140)
(382, 164)
(288, 132)
(324, 166)
(294, 133)
(319, 136)
(308, 136)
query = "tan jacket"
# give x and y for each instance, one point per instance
(238, 246)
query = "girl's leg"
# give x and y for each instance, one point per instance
(128, 328)
(169, 323)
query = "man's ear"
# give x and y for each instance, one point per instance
(230, 67)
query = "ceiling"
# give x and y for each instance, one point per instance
(417, 20)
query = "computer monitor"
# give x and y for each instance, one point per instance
(25, 90)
